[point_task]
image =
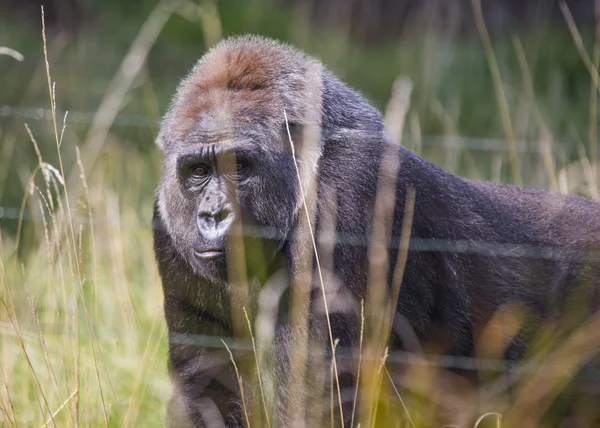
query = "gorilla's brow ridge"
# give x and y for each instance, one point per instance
(211, 151)
(245, 131)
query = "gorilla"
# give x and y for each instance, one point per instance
(277, 181)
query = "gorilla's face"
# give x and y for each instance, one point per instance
(215, 191)
(229, 168)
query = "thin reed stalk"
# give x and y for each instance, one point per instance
(240, 383)
(500, 94)
(318, 263)
(79, 277)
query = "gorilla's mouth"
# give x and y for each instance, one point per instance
(209, 253)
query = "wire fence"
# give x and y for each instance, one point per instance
(450, 362)
(441, 141)
(400, 357)
(460, 246)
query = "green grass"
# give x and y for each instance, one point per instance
(82, 333)
(83, 313)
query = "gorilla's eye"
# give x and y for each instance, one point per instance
(199, 171)
(238, 170)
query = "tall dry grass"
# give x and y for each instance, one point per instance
(82, 334)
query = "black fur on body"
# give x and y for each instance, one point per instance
(475, 246)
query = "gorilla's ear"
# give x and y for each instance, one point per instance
(345, 110)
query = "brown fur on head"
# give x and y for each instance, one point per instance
(241, 82)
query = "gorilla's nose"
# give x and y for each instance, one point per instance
(215, 220)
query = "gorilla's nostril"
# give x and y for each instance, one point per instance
(222, 215)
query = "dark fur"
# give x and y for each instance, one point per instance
(474, 246)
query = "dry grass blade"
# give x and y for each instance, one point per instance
(6, 417)
(592, 66)
(79, 280)
(236, 268)
(539, 391)
(11, 418)
(377, 280)
(485, 415)
(546, 136)
(64, 127)
(395, 113)
(360, 356)
(409, 210)
(130, 68)
(412, 424)
(210, 21)
(43, 345)
(12, 53)
(499, 89)
(12, 316)
(39, 167)
(585, 57)
(320, 273)
(384, 329)
(589, 174)
(258, 372)
(452, 130)
(57, 411)
(240, 382)
(379, 381)
(86, 189)
(331, 389)
(131, 413)
(51, 87)
(34, 375)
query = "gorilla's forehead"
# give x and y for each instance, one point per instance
(217, 114)
(224, 106)
(216, 126)
(244, 87)
(246, 79)
(234, 82)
